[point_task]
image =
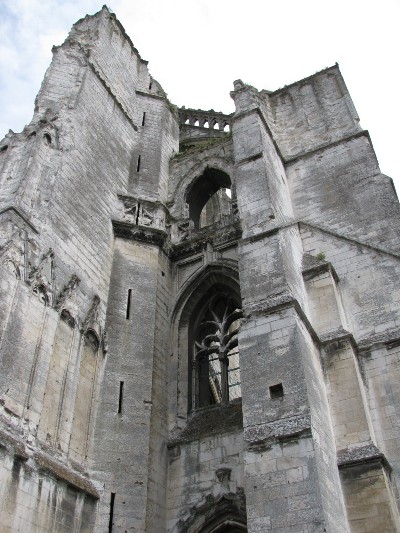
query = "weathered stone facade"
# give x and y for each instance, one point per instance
(200, 319)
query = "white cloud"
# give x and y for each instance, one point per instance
(196, 48)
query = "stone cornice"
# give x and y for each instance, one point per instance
(226, 235)
(311, 271)
(150, 95)
(327, 146)
(273, 230)
(144, 234)
(368, 454)
(20, 214)
(220, 418)
(42, 461)
(229, 234)
(264, 435)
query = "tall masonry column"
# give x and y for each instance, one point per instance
(130, 394)
(130, 451)
(291, 476)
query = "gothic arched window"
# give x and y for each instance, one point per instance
(215, 359)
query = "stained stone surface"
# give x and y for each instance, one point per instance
(122, 218)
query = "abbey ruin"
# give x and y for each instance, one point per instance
(200, 312)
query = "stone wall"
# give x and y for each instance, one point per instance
(106, 275)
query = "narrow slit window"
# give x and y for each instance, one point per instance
(138, 164)
(144, 118)
(110, 521)
(128, 304)
(121, 395)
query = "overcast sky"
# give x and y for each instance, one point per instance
(197, 48)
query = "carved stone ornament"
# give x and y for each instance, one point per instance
(223, 475)
(130, 209)
(143, 213)
(66, 292)
(68, 318)
(185, 210)
(184, 229)
(12, 253)
(41, 278)
(145, 217)
(91, 319)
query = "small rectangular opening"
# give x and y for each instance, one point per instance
(121, 394)
(144, 118)
(110, 521)
(138, 164)
(128, 304)
(276, 391)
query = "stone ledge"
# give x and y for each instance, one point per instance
(13, 445)
(368, 454)
(312, 266)
(273, 303)
(250, 159)
(63, 473)
(277, 303)
(217, 236)
(327, 145)
(332, 339)
(134, 232)
(388, 339)
(147, 234)
(43, 462)
(213, 420)
(278, 430)
(151, 95)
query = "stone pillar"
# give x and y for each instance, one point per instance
(292, 479)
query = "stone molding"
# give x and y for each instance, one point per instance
(222, 418)
(367, 454)
(42, 461)
(268, 433)
(144, 234)
(21, 215)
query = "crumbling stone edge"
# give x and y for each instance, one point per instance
(41, 461)
(265, 435)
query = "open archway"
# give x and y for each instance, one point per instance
(202, 190)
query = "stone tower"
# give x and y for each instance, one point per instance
(200, 313)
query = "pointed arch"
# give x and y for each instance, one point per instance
(223, 514)
(203, 188)
(214, 279)
(178, 194)
(225, 271)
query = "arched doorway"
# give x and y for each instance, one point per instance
(226, 514)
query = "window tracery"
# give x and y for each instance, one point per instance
(216, 368)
